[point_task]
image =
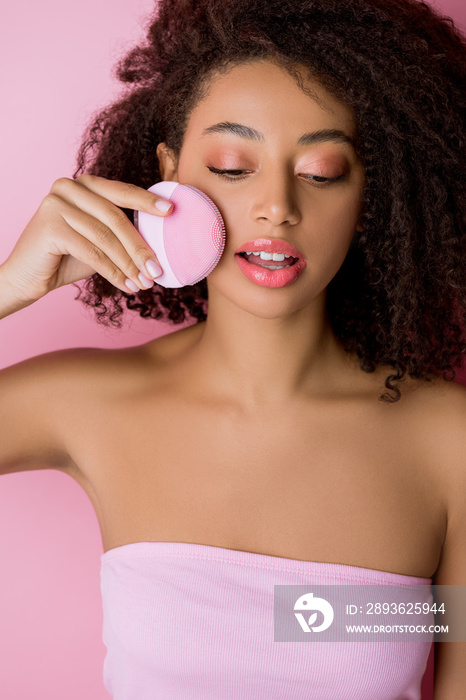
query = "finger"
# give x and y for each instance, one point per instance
(103, 209)
(126, 195)
(82, 249)
(104, 247)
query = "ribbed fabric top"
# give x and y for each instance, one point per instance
(187, 621)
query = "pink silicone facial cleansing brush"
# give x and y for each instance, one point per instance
(189, 241)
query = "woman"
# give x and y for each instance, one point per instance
(258, 446)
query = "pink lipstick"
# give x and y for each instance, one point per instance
(270, 263)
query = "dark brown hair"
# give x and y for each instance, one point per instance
(399, 297)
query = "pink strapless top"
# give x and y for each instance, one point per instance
(188, 621)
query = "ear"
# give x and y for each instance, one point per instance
(168, 165)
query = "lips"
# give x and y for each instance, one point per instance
(274, 279)
(255, 259)
(270, 246)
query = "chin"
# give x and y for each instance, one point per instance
(274, 311)
(258, 301)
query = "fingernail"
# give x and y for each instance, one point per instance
(163, 205)
(131, 286)
(153, 269)
(143, 280)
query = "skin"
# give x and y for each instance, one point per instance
(249, 326)
(254, 430)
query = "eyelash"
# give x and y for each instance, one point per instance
(234, 176)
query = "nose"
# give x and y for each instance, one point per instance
(274, 200)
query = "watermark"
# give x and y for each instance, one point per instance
(370, 613)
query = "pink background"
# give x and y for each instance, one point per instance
(57, 57)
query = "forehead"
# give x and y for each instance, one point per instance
(262, 94)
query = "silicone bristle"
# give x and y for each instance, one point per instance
(218, 233)
(193, 246)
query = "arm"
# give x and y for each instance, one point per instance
(30, 437)
(77, 230)
(450, 657)
(9, 302)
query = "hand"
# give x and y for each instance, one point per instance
(79, 230)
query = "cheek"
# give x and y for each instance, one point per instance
(334, 228)
(339, 210)
(186, 170)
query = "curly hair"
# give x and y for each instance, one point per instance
(399, 297)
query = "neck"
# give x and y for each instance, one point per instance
(262, 361)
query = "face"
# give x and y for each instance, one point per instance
(250, 145)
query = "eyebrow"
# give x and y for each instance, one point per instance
(246, 132)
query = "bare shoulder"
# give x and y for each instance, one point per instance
(439, 421)
(443, 424)
(39, 398)
(75, 379)
(93, 369)
(440, 416)
(50, 401)
(76, 372)
(441, 428)
(46, 378)
(66, 373)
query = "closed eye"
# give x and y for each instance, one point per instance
(235, 175)
(228, 174)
